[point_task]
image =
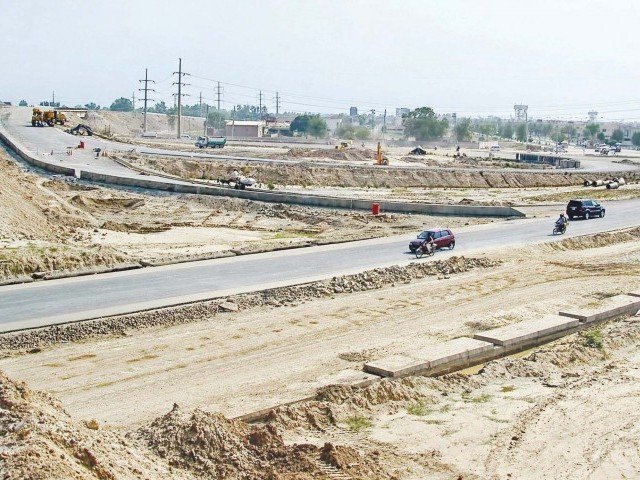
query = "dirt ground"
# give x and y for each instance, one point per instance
(422, 428)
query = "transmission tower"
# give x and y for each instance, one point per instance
(179, 95)
(522, 115)
(146, 90)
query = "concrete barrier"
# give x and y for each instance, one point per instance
(394, 366)
(635, 293)
(527, 331)
(427, 359)
(611, 307)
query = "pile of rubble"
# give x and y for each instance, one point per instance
(277, 297)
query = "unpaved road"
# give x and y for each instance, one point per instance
(240, 362)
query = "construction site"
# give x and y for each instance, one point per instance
(263, 264)
(410, 382)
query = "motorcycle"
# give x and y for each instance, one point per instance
(559, 229)
(425, 248)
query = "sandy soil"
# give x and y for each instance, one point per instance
(253, 359)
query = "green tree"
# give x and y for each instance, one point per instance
(521, 132)
(91, 106)
(635, 139)
(159, 107)
(363, 133)
(217, 119)
(121, 105)
(346, 131)
(507, 131)
(592, 129)
(617, 135)
(423, 124)
(300, 124)
(463, 130)
(558, 136)
(23, 103)
(569, 130)
(601, 136)
(317, 126)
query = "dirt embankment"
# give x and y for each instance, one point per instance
(355, 176)
(40, 441)
(39, 230)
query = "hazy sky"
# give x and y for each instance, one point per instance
(561, 57)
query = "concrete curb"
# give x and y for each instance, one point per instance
(453, 361)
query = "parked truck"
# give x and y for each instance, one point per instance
(211, 142)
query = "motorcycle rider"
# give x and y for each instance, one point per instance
(562, 221)
(429, 244)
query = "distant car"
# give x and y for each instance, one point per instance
(442, 237)
(584, 209)
(495, 148)
(185, 136)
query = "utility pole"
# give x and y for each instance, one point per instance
(201, 104)
(133, 103)
(260, 107)
(206, 120)
(219, 93)
(146, 98)
(233, 122)
(277, 104)
(180, 84)
(53, 99)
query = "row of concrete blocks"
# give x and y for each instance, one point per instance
(462, 352)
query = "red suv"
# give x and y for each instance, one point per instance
(441, 236)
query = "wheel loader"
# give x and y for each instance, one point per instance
(41, 118)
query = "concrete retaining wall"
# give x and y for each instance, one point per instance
(30, 159)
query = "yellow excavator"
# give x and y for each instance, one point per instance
(380, 159)
(41, 118)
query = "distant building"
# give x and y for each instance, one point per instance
(245, 128)
(353, 112)
(402, 111)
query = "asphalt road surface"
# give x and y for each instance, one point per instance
(81, 298)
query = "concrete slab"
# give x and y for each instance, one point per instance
(635, 293)
(607, 308)
(458, 349)
(395, 366)
(526, 331)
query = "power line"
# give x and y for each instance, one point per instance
(146, 98)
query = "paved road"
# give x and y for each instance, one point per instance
(81, 298)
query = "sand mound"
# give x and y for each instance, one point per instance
(595, 241)
(212, 446)
(39, 441)
(27, 211)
